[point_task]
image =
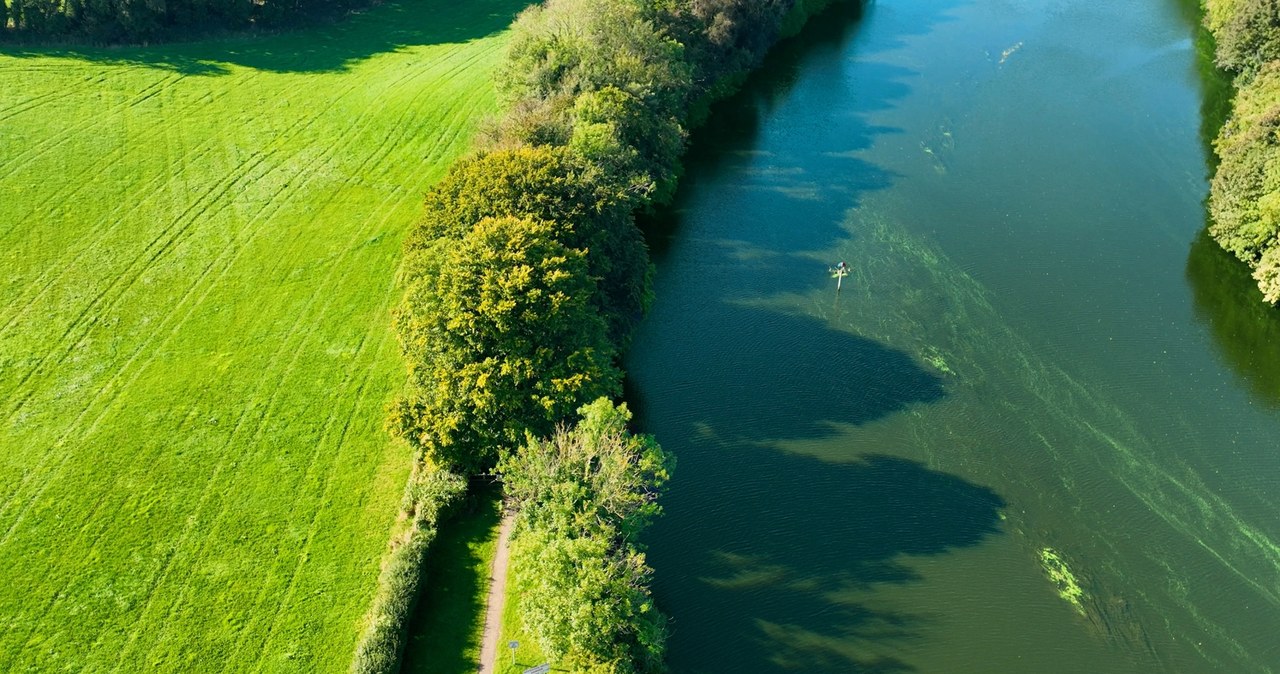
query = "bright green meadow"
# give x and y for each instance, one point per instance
(199, 248)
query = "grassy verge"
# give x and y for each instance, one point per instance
(200, 248)
(448, 624)
(527, 654)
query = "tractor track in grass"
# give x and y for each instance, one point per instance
(74, 390)
(60, 267)
(191, 216)
(456, 130)
(317, 295)
(67, 134)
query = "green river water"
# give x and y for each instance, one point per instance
(1039, 428)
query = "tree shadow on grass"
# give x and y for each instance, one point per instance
(444, 635)
(328, 46)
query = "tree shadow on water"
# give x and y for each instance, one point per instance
(776, 573)
(765, 557)
(765, 376)
(1245, 328)
(838, 71)
(327, 46)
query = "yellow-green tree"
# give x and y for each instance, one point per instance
(502, 339)
(585, 207)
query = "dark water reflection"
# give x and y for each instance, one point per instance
(787, 549)
(1245, 329)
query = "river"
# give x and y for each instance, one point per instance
(1038, 430)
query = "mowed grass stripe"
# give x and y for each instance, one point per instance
(321, 290)
(168, 541)
(73, 254)
(310, 528)
(145, 349)
(68, 339)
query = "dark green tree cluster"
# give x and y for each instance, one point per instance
(582, 497)
(1244, 198)
(142, 20)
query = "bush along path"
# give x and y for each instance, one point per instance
(523, 282)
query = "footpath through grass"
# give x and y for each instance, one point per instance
(447, 627)
(198, 249)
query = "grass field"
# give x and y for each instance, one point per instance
(199, 246)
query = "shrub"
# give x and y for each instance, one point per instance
(582, 497)
(428, 497)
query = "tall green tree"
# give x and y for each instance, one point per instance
(582, 497)
(1250, 36)
(585, 207)
(501, 338)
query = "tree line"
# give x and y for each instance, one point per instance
(113, 21)
(527, 274)
(1244, 196)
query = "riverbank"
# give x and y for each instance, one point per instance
(593, 133)
(1244, 199)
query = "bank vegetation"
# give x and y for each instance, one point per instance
(524, 280)
(1244, 197)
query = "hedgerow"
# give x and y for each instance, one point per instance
(427, 499)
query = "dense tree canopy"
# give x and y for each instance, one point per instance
(585, 206)
(582, 496)
(1250, 36)
(141, 20)
(1244, 196)
(501, 338)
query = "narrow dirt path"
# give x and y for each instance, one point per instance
(496, 601)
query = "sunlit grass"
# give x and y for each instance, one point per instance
(199, 249)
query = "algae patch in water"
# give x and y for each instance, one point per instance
(1062, 578)
(933, 357)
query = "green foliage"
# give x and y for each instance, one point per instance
(428, 496)
(1218, 12)
(615, 131)
(1250, 36)
(604, 78)
(1245, 192)
(1267, 274)
(1244, 197)
(501, 339)
(143, 20)
(587, 207)
(576, 46)
(582, 497)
